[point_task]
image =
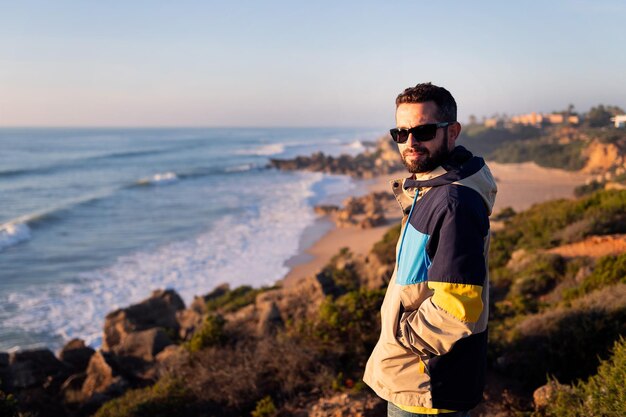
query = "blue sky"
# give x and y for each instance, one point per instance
(279, 63)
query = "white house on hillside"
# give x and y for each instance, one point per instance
(620, 120)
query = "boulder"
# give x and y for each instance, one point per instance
(102, 377)
(33, 368)
(157, 311)
(76, 354)
(545, 394)
(145, 344)
(189, 320)
(72, 389)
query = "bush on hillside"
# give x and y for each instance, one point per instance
(166, 398)
(234, 379)
(385, 249)
(602, 394)
(8, 405)
(233, 300)
(565, 341)
(551, 155)
(609, 270)
(560, 221)
(211, 333)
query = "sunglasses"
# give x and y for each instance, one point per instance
(422, 133)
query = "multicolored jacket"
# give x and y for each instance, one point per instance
(433, 342)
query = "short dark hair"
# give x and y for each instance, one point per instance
(421, 93)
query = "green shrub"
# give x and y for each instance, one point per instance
(586, 189)
(168, 397)
(233, 300)
(342, 272)
(8, 405)
(385, 249)
(602, 394)
(552, 155)
(560, 221)
(212, 333)
(350, 324)
(609, 270)
(265, 408)
(566, 341)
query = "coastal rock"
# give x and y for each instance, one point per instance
(33, 368)
(545, 394)
(157, 311)
(145, 344)
(72, 389)
(383, 160)
(76, 354)
(326, 209)
(102, 377)
(189, 320)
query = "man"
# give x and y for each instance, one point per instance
(431, 355)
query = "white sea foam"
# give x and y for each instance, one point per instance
(248, 249)
(159, 179)
(13, 233)
(264, 150)
(356, 145)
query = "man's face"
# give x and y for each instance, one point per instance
(424, 156)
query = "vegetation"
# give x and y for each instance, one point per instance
(602, 394)
(210, 334)
(265, 408)
(385, 249)
(232, 300)
(168, 397)
(552, 155)
(8, 405)
(600, 115)
(609, 270)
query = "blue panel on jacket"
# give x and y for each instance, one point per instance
(413, 262)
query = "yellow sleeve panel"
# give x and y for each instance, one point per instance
(462, 301)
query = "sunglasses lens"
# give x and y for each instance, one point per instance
(425, 132)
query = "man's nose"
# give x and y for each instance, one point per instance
(411, 141)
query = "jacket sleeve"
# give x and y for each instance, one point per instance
(456, 278)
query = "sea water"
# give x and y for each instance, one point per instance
(95, 219)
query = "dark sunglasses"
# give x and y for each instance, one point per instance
(422, 133)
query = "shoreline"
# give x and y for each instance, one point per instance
(520, 185)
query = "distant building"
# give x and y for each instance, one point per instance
(538, 119)
(492, 123)
(619, 120)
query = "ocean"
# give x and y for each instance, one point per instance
(96, 219)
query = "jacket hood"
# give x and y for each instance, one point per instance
(462, 168)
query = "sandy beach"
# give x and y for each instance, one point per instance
(519, 186)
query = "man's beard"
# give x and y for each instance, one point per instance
(425, 162)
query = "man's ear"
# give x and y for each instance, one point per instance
(453, 134)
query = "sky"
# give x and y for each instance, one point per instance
(294, 63)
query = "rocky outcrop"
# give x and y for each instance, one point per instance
(364, 212)
(103, 379)
(159, 310)
(383, 160)
(33, 368)
(76, 354)
(602, 157)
